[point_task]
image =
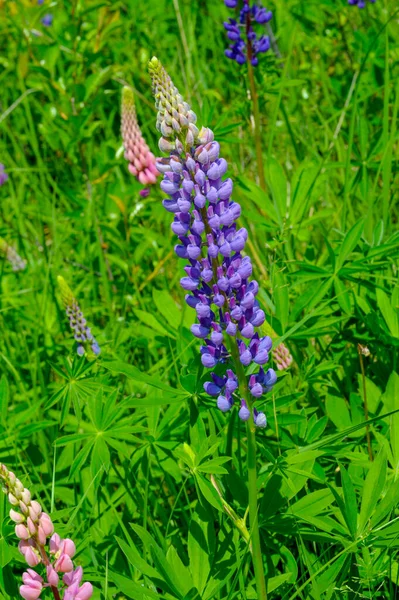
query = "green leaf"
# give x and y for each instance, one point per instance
(350, 242)
(338, 412)
(151, 321)
(4, 398)
(199, 550)
(389, 313)
(349, 501)
(373, 486)
(209, 492)
(135, 375)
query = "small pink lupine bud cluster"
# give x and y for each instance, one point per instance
(282, 356)
(33, 527)
(141, 160)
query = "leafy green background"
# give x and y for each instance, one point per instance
(127, 452)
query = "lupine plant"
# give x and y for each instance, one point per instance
(218, 274)
(42, 548)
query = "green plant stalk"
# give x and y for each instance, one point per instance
(252, 479)
(253, 512)
(255, 104)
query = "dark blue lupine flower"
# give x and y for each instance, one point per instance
(3, 174)
(47, 20)
(217, 275)
(246, 43)
(78, 323)
(359, 3)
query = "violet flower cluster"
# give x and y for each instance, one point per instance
(246, 43)
(3, 175)
(17, 263)
(33, 527)
(359, 3)
(217, 275)
(141, 159)
(82, 332)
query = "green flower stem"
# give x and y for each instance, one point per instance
(255, 103)
(252, 477)
(253, 512)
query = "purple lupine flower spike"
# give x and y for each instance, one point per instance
(247, 44)
(360, 3)
(82, 333)
(17, 263)
(217, 275)
(3, 175)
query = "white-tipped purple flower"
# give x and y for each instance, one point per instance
(224, 403)
(260, 419)
(244, 413)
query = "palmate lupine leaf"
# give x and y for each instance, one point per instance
(110, 430)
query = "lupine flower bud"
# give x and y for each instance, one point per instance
(9, 253)
(16, 516)
(82, 332)
(141, 160)
(29, 552)
(217, 275)
(246, 43)
(22, 532)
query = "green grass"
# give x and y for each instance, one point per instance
(132, 458)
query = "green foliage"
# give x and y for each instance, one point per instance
(129, 454)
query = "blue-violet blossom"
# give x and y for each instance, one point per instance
(217, 276)
(82, 333)
(246, 43)
(359, 3)
(47, 20)
(3, 174)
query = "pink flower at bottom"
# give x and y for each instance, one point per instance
(74, 592)
(32, 586)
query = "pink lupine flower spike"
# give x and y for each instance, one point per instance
(33, 527)
(141, 159)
